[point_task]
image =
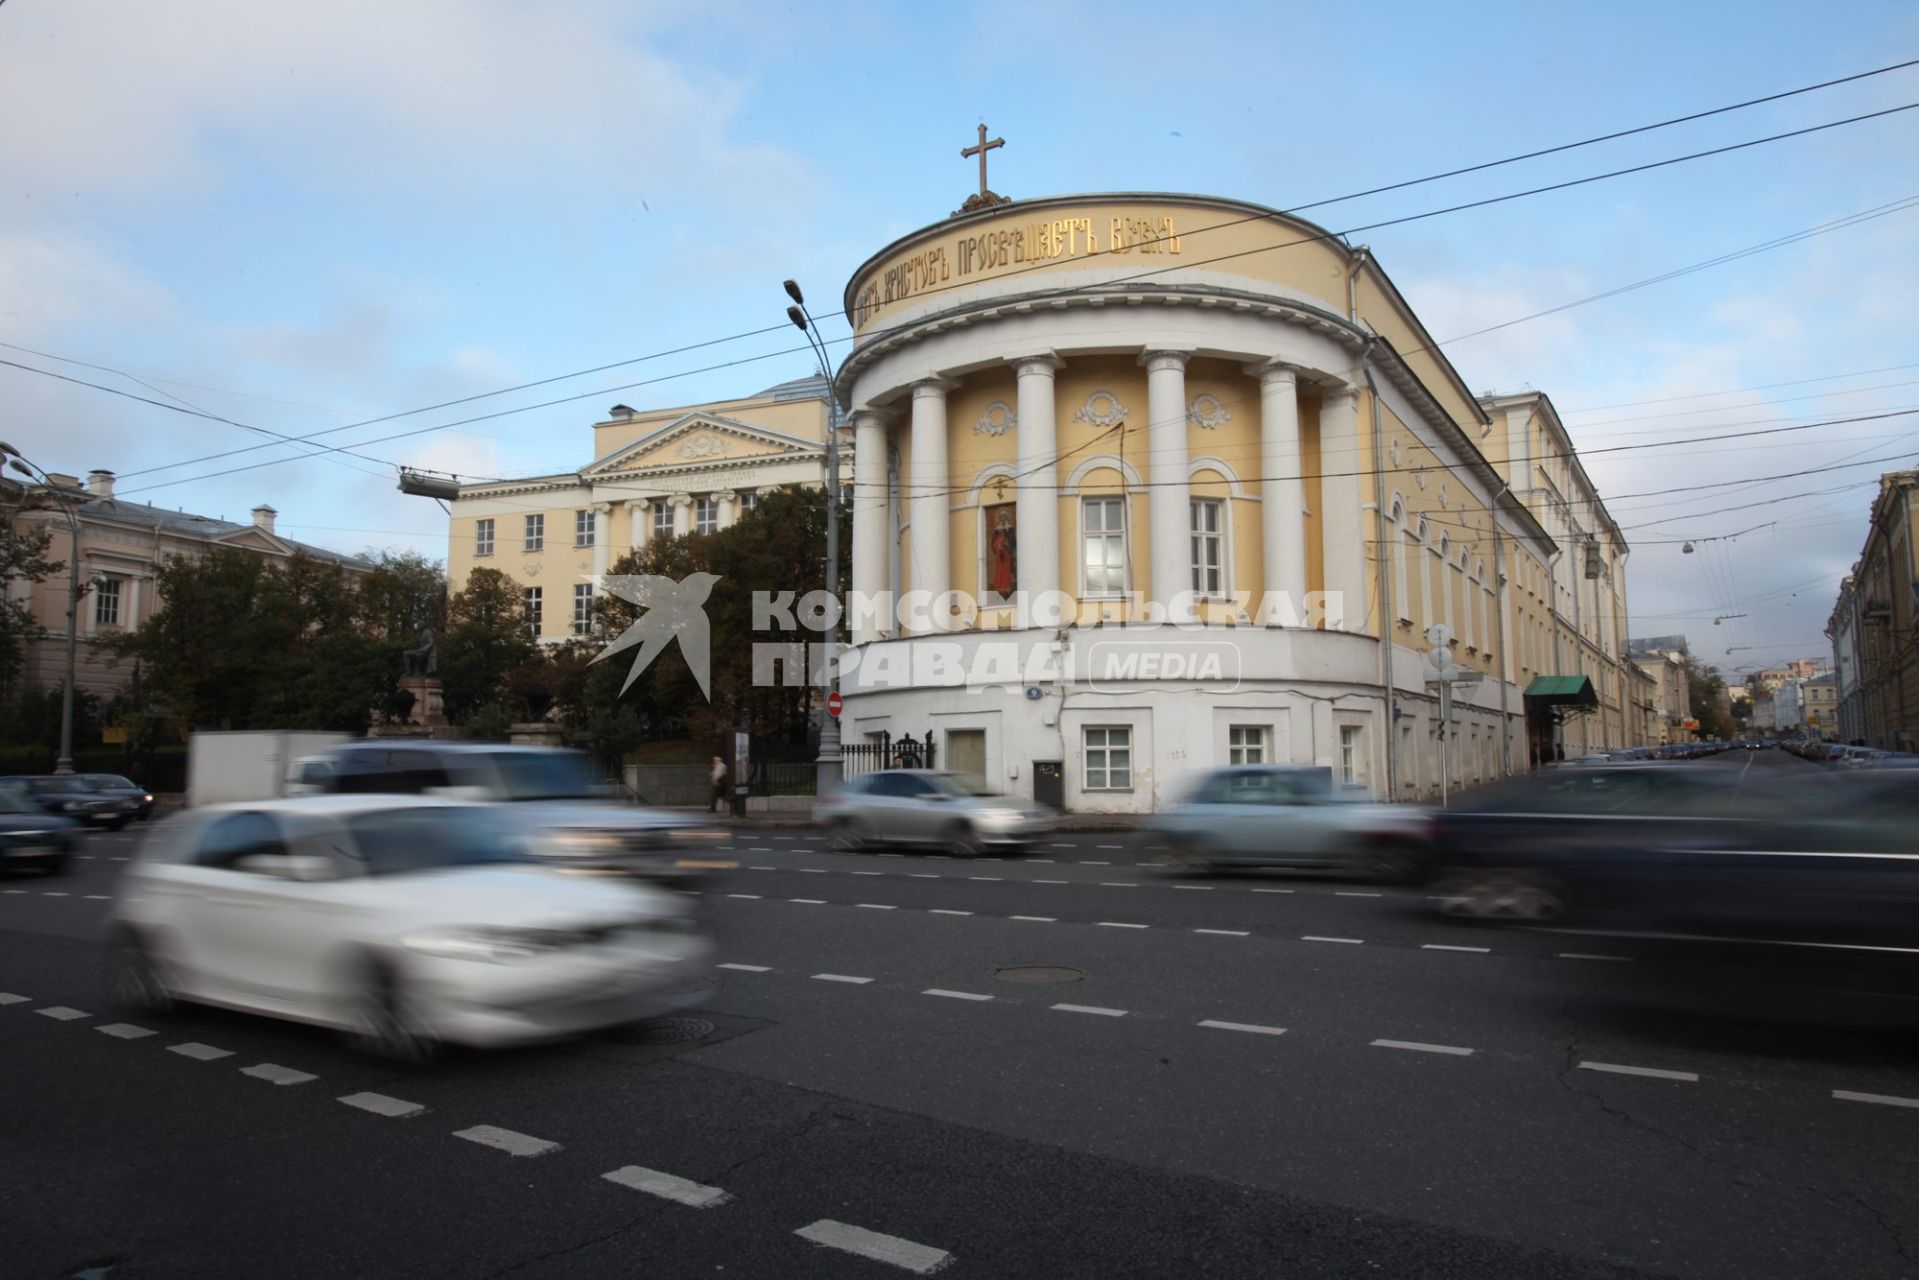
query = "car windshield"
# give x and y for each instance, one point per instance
(15, 798)
(544, 775)
(113, 780)
(405, 841)
(962, 784)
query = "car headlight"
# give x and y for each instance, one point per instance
(148, 799)
(491, 946)
(581, 844)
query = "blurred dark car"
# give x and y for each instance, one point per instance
(69, 795)
(134, 798)
(31, 839)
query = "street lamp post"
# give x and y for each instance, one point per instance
(830, 766)
(19, 462)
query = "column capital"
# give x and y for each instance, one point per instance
(868, 414)
(637, 504)
(1039, 362)
(1346, 391)
(934, 385)
(1161, 359)
(1270, 372)
(681, 499)
(601, 506)
(723, 495)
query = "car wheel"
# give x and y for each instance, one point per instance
(1189, 854)
(1391, 861)
(142, 986)
(849, 838)
(1493, 895)
(964, 842)
(383, 1026)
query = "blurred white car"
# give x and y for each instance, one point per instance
(403, 921)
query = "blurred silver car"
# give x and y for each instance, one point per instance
(951, 811)
(1276, 815)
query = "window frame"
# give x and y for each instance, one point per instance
(1352, 755)
(586, 527)
(1120, 502)
(1106, 749)
(749, 500)
(1260, 745)
(706, 514)
(533, 609)
(1220, 537)
(582, 608)
(533, 533)
(662, 518)
(101, 596)
(483, 530)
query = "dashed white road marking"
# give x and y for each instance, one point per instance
(1252, 1027)
(15, 891)
(125, 1031)
(1311, 937)
(1091, 1008)
(1119, 884)
(947, 911)
(1119, 924)
(841, 977)
(920, 1259)
(1620, 1069)
(8, 997)
(1272, 891)
(986, 877)
(50, 893)
(1444, 946)
(1355, 893)
(753, 896)
(1062, 846)
(1086, 863)
(1226, 933)
(811, 902)
(1052, 882)
(1046, 860)
(868, 873)
(1038, 919)
(1109, 846)
(876, 906)
(757, 867)
(199, 1052)
(274, 1073)
(899, 855)
(514, 1144)
(812, 871)
(954, 995)
(748, 968)
(923, 875)
(668, 1187)
(759, 848)
(61, 1013)
(1883, 1099)
(1207, 887)
(1419, 1047)
(99, 897)
(1580, 955)
(381, 1105)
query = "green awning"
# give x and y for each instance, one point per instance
(1558, 691)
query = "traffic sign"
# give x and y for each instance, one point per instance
(833, 704)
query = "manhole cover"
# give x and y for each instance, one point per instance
(1037, 974)
(671, 1031)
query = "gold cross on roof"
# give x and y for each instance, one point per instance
(984, 146)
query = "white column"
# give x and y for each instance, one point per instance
(131, 620)
(639, 514)
(1281, 488)
(870, 503)
(602, 536)
(725, 498)
(1036, 487)
(1170, 506)
(1342, 522)
(682, 514)
(927, 486)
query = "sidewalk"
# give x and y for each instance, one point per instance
(792, 821)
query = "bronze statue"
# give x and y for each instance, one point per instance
(424, 658)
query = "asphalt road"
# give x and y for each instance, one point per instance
(1243, 1076)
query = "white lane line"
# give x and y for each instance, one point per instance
(1119, 924)
(754, 896)
(1253, 1027)
(1581, 955)
(49, 893)
(1226, 933)
(939, 857)
(748, 968)
(947, 911)
(922, 875)
(757, 867)
(514, 1144)
(759, 848)
(1419, 1047)
(954, 995)
(1085, 863)
(119, 859)
(16, 890)
(876, 906)
(1207, 887)
(1444, 946)
(1119, 884)
(274, 1073)
(199, 1052)
(98, 897)
(1109, 846)
(1090, 1008)
(1040, 919)
(868, 873)
(1062, 846)
(61, 1013)
(381, 1105)
(811, 902)
(668, 1187)
(1272, 891)
(125, 1031)
(840, 977)
(782, 837)
(1354, 893)
(812, 871)
(1883, 1099)
(920, 1259)
(1046, 860)
(1052, 882)
(7, 997)
(1309, 937)
(899, 855)
(986, 877)
(1620, 1069)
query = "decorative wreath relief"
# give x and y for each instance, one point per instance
(1206, 411)
(1102, 409)
(703, 447)
(999, 416)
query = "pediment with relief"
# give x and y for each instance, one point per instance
(702, 440)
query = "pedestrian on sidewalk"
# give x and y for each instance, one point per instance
(719, 785)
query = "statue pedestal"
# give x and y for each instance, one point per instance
(429, 705)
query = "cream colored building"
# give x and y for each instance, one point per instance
(121, 546)
(1171, 408)
(654, 474)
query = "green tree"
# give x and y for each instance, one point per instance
(486, 641)
(1706, 698)
(23, 559)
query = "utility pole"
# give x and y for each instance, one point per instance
(830, 766)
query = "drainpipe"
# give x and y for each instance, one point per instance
(1360, 257)
(1380, 571)
(1499, 634)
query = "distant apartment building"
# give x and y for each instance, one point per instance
(1662, 660)
(1821, 705)
(1875, 647)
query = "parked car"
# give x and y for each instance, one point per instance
(31, 839)
(69, 795)
(134, 799)
(1285, 816)
(548, 797)
(403, 921)
(952, 811)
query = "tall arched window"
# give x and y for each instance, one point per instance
(1402, 604)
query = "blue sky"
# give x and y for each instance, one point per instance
(362, 208)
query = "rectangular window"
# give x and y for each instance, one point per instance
(1352, 755)
(662, 519)
(535, 603)
(1102, 540)
(582, 608)
(585, 525)
(748, 501)
(1209, 549)
(1109, 759)
(706, 515)
(106, 603)
(535, 533)
(483, 537)
(1246, 744)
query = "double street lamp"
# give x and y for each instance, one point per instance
(830, 766)
(19, 463)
